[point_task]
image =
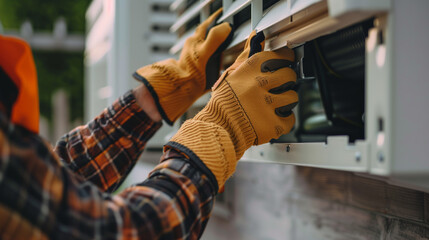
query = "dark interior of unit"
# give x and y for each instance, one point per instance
(331, 86)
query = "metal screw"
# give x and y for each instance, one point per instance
(288, 148)
(358, 156)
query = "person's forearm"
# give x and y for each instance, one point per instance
(43, 199)
(105, 150)
(146, 102)
(175, 202)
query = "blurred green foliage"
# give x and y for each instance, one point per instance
(55, 70)
(43, 13)
(58, 70)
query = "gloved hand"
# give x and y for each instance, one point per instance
(251, 103)
(175, 85)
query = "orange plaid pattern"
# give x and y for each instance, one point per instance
(66, 194)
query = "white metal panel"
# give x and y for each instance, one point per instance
(95, 79)
(101, 30)
(163, 2)
(337, 153)
(119, 57)
(189, 14)
(316, 26)
(241, 34)
(226, 4)
(156, 57)
(340, 7)
(256, 11)
(234, 8)
(281, 11)
(299, 5)
(377, 109)
(181, 41)
(274, 15)
(397, 89)
(277, 14)
(410, 87)
(163, 19)
(162, 38)
(177, 5)
(100, 18)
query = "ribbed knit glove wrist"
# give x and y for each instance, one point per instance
(251, 103)
(175, 85)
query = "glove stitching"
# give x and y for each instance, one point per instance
(225, 166)
(166, 71)
(196, 58)
(195, 74)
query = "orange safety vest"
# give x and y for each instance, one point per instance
(17, 62)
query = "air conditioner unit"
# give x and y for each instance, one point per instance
(363, 81)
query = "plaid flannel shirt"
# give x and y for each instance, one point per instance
(65, 194)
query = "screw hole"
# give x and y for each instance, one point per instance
(358, 156)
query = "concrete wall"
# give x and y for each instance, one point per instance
(270, 201)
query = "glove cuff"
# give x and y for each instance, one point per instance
(172, 89)
(224, 109)
(155, 97)
(212, 144)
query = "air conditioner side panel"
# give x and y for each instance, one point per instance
(410, 84)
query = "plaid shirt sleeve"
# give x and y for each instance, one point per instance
(106, 149)
(42, 198)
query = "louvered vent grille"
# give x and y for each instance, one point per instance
(161, 39)
(245, 15)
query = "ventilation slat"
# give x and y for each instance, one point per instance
(162, 38)
(178, 5)
(270, 16)
(242, 33)
(179, 45)
(235, 7)
(297, 6)
(193, 11)
(274, 15)
(280, 12)
(163, 19)
(162, 2)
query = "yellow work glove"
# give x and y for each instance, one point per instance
(251, 103)
(175, 85)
